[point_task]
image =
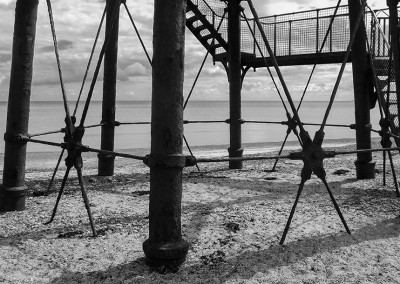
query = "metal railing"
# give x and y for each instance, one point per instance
(379, 48)
(213, 10)
(300, 32)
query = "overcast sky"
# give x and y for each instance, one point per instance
(76, 23)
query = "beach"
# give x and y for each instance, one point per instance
(233, 220)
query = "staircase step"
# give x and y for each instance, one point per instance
(209, 36)
(192, 19)
(199, 28)
(215, 46)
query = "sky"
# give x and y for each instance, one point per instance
(76, 24)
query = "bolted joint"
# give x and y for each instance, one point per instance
(111, 124)
(169, 161)
(384, 123)
(312, 156)
(361, 127)
(16, 138)
(238, 7)
(240, 120)
(82, 148)
(296, 156)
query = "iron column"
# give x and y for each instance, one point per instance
(394, 43)
(235, 85)
(13, 189)
(165, 245)
(106, 162)
(365, 168)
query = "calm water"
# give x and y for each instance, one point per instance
(48, 116)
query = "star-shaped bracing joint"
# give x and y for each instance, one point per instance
(312, 156)
(73, 145)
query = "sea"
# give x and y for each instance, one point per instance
(49, 116)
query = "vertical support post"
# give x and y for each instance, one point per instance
(317, 33)
(165, 245)
(235, 85)
(13, 189)
(106, 162)
(365, 168)
(394, 30)
(275, 35)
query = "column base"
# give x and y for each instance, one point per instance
(105, 165)
(235, 153)
(12, 198)
(171, 254)
(365, 170)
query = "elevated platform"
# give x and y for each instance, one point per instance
(251, 61)
(295, 38)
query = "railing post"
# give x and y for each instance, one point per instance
(165, 246)
(317, 33)
(365, 168)
(235, 86)
(275, 35)
(290, 37)
(106, 162)
(255, 38)
(13, 189)
(373, 36)
(330, 39)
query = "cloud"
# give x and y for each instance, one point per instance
(61, 45)
(214, 71)
(76, 24)
(136, 69)
(5, 57)
(4, 79)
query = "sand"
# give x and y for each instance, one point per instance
(233, 220)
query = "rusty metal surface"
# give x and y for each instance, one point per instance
(18, 105)
(165, 245)
(361, 88)
(235, 85)
(106, 162)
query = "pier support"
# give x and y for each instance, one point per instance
(365, 168)
(235, 82)
(165, 246)
(395, 44)
(106, 162)
(13, 189)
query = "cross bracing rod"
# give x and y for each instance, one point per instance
(137, 32)
(276, 66)
(97, 70)
(68, 119)
(206, 160)
(90, 60)
(82, 148)
(344, 62)
(62, 130)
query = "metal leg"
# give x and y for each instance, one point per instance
(384, 168)
(59, 195)
(394, 174)
(55, 171)
(280, 151)
(336, 206)
(190, 151)
(301, 186)
(86, 200)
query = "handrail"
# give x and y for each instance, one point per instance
(373, 14)
(296, 33)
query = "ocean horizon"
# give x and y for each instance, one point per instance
(49, 116)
